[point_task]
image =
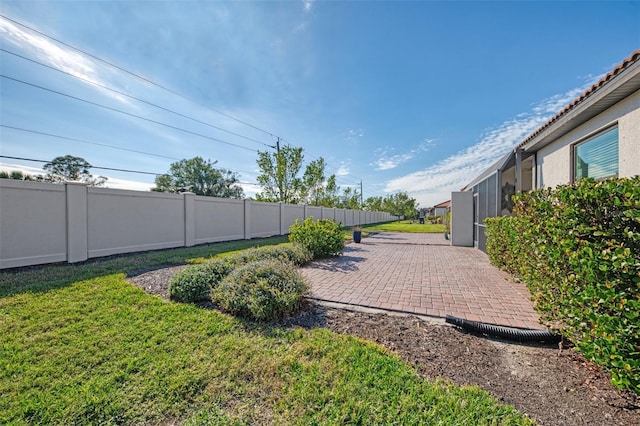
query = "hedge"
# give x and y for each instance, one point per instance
(577, 247)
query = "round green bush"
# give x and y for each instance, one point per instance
(261, 290)
(323, 238)
(194, 283)
(293, 253)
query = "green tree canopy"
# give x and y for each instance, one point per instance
(279, 176)
(18, 175)
(280, 181)
(200, 177)
(374, 204)
(400, 204)
(71, 168)
(350, 199)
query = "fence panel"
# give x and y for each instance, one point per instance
(121, 221)
(291, 212)
(218, 219)
(32, 223)
(45, 223)
(265, 219)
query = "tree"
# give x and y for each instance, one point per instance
(313, 181)
(200, 177)
(374, 204)
(330, 196)
(400, 204)
(350, 199)
(317, 190)
(279, 176)
(70, 168)
(18, 175)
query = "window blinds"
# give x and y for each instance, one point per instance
(597, 158)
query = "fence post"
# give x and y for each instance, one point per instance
(189, 219)
(77, 222)
(247, 219)
(282, 226)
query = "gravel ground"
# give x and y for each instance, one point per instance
(552, 386)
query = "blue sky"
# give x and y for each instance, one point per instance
(416, 96)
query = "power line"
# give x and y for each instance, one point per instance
(104, 168)
(135, 98)
(126, 113)
(134, 74)
(92, 167)
(101, 144)
(86, 141)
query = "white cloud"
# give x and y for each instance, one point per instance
(352, 135)
(435, 183)
(343, 170)
(388, 162)
(112, 182)
(58, 56)
(308, 4)
(18, 168)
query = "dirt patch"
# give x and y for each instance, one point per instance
(552, 386)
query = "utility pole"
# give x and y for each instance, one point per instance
(278, 144)
(361, 197)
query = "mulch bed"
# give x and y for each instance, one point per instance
(552, 386)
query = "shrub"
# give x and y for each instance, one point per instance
(194, 283)
(323, 238)
(576, 247)
(293, 253)
(261, 290)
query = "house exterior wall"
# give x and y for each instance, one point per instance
(554, 161)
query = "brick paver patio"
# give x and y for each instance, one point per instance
(422, 274)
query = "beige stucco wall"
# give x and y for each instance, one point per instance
(554, 161)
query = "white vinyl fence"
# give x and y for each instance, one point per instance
(45, 223)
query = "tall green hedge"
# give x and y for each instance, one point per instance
(577, 247)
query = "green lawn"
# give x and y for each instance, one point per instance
(80, 345)
(406, 226)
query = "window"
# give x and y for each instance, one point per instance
(597, 157)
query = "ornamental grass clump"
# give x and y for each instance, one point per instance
(261, 291)
(323, 238)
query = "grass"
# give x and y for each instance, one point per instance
(42, 278)
(97, 350)
(406, 226)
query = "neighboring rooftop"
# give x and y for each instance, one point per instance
(443, 204)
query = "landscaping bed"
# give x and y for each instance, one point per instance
(552, 386)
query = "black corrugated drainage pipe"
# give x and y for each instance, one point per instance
(508, 333)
